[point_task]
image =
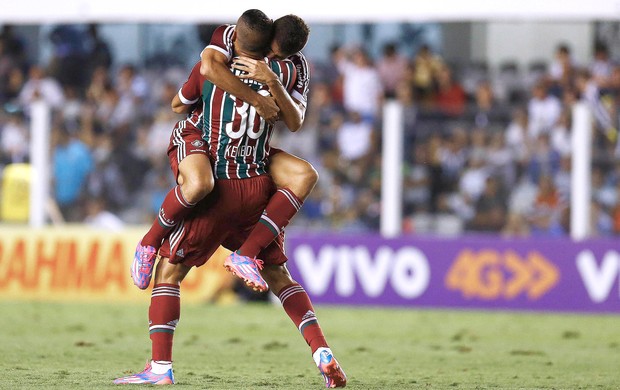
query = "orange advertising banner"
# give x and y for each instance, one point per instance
(75, 262)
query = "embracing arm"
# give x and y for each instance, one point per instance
(291, 112)
(214, 67)
(179, 107)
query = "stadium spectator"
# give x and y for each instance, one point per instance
(490, 208)
(543, 111)
(99, 217)
(560, 135)
(362, 89)
(601, 65)
(392, 68)
(14, 140)
(354, 138)
(72, 162)
(545, 217)
(450, 97)
(417, 180)
(40, 86)
(426, 66)
(486, 111)
(561, 69)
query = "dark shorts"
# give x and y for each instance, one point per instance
(185, 139)
(225, 217)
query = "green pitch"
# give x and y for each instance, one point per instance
(85, 346)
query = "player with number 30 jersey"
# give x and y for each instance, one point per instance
(238, 138)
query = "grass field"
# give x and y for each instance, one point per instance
(85, 346)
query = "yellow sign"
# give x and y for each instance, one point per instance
(15, 205)
(79, 263)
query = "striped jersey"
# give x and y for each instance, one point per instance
(238, 137)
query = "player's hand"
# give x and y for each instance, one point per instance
(267, 108)
(256, 70)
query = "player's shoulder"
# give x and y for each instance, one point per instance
(277, 64)
(225, 30)
(297, 58)
(301, 64)
(285, 69)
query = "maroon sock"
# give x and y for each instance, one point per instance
(164, 314)
(172, 210)
(282, 206)
(297, 305)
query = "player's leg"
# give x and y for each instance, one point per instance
(298, 306)
(189, 162)
(164, 313)
(295, 179)
(195, 181)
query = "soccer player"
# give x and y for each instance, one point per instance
(239, 147)
(294, 176)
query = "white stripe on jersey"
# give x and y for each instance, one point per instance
(184, 100)
(218, 49)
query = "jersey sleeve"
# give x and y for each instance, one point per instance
(221, 40)
(192, 88)
(287, 73)
(302, 85)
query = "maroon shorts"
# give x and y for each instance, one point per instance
(185, 139)
(225, 217)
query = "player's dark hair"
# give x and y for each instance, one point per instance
(291, 33)
(255, 30)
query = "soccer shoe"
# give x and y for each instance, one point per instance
(142, 265)
(147, 377)
(247, 269)
(330, 369)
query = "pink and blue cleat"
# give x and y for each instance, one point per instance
(247, 269)
(147, 377)
(142, 265)
(330, 369)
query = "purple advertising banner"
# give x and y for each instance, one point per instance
(485, 273)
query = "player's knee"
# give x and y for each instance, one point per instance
(309, 176)
(304, 180)
(196, 187)
(301, 178)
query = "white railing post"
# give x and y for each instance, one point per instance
(581, 172)
(392, 169)
(40, 128)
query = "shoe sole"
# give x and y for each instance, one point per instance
(248, 282)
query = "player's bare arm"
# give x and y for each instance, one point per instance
(179, 107)
(214, 67)
(292, 112)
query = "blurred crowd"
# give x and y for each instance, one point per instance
(486, 149)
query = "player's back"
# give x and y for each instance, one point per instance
(238, 137)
